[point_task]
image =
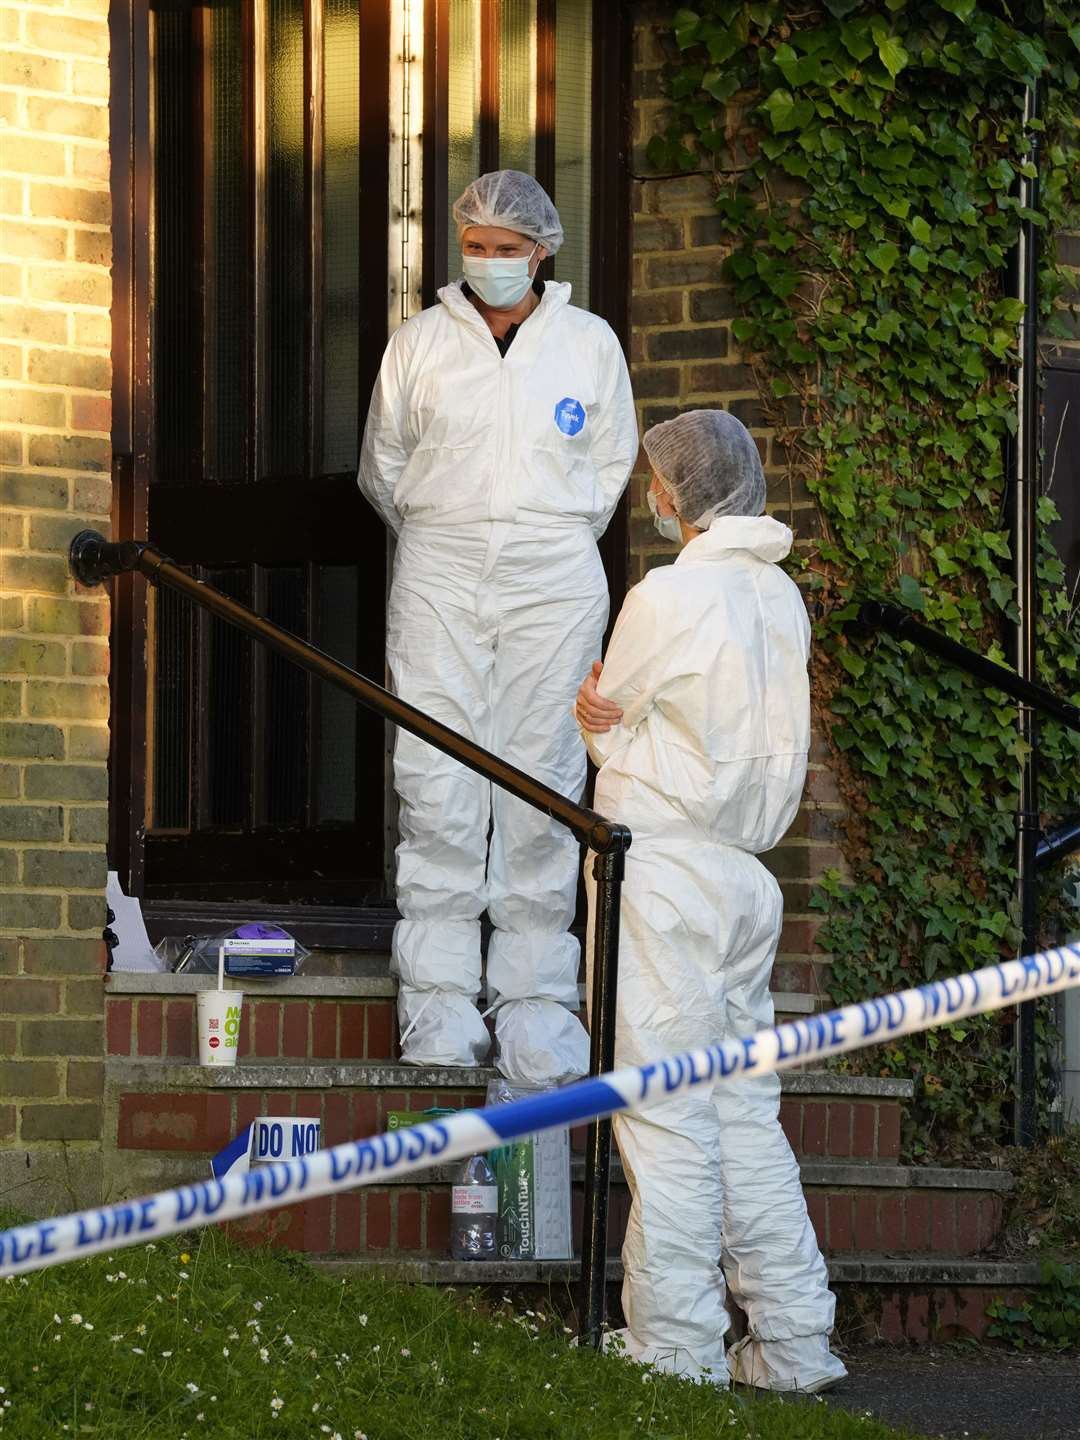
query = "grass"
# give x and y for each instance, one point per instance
(196, 1336)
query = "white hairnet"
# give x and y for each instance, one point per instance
(513, 201)
(708, 462)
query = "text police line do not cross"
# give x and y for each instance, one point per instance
(362, 1162)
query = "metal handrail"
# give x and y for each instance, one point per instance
(879, 615)
(1055, 844)
(93, 559)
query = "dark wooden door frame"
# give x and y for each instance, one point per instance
(131, 185)
(132, 434)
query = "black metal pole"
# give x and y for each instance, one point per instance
(1024, 494)
(93, 559)
(879, 614)
(608, 871)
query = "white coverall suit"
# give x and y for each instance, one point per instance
(708, 664)
(497, 475)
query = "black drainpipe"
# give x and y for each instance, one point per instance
(1023, 493)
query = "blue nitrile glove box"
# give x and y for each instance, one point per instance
(251, 956)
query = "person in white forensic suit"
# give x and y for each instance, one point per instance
(699, 719)
(500, 437)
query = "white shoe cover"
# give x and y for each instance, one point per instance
(540, 1043)
(446, 1028)
(804, 1363)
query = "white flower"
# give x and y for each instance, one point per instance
(256, 1305)
(190, 1385)
(57, 1320)
(225, 1351)
(110, 1279)
(277, 1404)
(140, 1329)
(184, 1275)
(121, 1275)
(200, 1416)
(547, 1387)
(315, 1408)
(76, 1319)
(135, 1350)
(358, 1435)
(375, 1349)
(363, 1321)
(288, 1340)
(166, 1354)
(115, 1338)
(405, 1351)
(264, 1355)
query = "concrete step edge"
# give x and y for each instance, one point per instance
(379, 1075)
(844, 1270)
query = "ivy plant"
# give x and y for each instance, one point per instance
(866, 160)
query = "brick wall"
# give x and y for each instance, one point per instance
(54, 700)
(684, 357)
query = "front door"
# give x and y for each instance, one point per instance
(301, 157)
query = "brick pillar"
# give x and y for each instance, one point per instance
(684, 357)
(55, 252)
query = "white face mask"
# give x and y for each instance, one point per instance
(499, 283)
(668, 525)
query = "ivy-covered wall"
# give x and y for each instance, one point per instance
(862, 160)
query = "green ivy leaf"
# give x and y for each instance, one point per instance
(884, 256)
(787, 113)
(685, 24)
(892, 55)
(910, 593)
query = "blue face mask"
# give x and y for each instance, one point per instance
(499, 283)
(668, 525)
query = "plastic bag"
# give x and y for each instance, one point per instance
(252, 951)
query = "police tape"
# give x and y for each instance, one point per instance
(366, 1162)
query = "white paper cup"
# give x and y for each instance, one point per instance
(218, 1019)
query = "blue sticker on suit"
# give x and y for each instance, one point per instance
(569, 415)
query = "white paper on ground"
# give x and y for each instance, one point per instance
(134, 952)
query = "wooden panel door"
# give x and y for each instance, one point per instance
(268, 318)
